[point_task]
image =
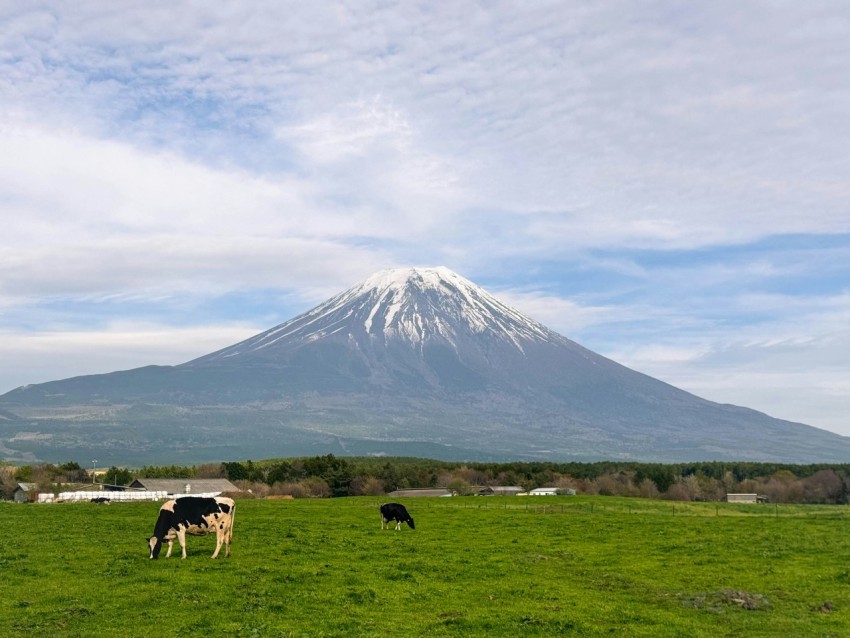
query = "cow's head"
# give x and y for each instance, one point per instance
(155, 545)
(410, 522)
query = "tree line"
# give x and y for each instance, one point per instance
(332, 476)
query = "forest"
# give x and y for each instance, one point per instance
(334, 476)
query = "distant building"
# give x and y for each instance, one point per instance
(544, 491)
(439, 491)
(745, 498)
(550, 491)
(88, 495)
(22, 492)
(184, 487)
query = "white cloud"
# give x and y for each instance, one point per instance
(562, 315)
(161, 153)
(791, 367)
(354, 132)
(571, 111)
(812, 396)
(88, 215)
(47, 356)
(367, 154)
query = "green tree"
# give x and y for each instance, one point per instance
(117, 476)
(24, 474)
(280, 473)
(235, 471)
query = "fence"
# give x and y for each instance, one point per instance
(112, 496)
(129, 495)
(621, 505)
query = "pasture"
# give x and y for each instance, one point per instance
(499, 566)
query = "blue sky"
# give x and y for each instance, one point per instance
(665, 183)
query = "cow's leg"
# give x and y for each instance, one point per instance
(397, 525)
(225, 537)
(230, 530)
(219, 538)
(181, 537)
(170, 543)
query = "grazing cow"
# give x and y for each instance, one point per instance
(395, 512)
(100, 499)
(197, 516)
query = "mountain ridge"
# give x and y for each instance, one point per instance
(409, 358)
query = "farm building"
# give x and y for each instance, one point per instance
(500, 490)
(544, 491)
(184, 487)
(745, 498)
(22, 491)
(439, 491)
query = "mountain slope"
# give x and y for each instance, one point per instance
(415, 361)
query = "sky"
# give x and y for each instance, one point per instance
(665, 183)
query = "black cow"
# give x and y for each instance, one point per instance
(193, 515)
(395, 512)
(100, 499)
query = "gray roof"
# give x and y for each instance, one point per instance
(178, 486)
(26, 487)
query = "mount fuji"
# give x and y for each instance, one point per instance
(416, 362)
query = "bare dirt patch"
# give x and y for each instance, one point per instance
(728, 598)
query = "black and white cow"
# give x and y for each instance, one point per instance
(395, 512)
(194, 515)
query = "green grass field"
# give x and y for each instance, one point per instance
(501, 566)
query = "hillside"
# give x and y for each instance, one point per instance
(417, 362)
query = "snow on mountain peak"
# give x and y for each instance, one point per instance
(418, 303)
(397, 278)
(412, 305)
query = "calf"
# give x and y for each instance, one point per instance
(395, 512)
(193, 515)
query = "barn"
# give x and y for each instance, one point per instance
(544, 491)
(745, 498)
(22, 492)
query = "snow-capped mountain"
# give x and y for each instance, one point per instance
(409, 306)
(410, 332)
(414, 361)
(414, 330)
